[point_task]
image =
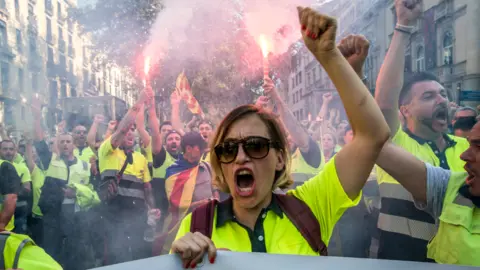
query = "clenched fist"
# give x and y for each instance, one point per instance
(191, 248)
(408, 11)
(318, 30)
(355, 49)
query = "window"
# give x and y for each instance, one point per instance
(448, 49)
(32, 43)
(309, 79)
(19, 40)
(5, 70)
(70, 40)
(70, 66)
(60, 33)
(301, 94)
(420, 61)
(293, 83)
(20, 80)
(300, 75)
(63, 89)
(31, 10)
(34, 81)
(59, 10)
(3, 34)
(63, 62)
(49, 28)
(314, 75)
(296, 79)
(50, 55)
(17, 9)
(3, 4)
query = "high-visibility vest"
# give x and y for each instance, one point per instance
(160, 172)
(301, 171)
(23, 172)
(12, 246)
(10, 225)
(458, 238)
(77, 176)
(85, 154)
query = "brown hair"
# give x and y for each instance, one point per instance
(282, 178)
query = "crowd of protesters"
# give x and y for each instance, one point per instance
(401, 169)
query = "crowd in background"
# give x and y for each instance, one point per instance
(93, 198)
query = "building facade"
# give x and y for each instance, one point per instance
(445, 42)
(45, 53)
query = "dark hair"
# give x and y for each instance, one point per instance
(410, 80)
(193, 139)
(205, 121)
(465, 123)
(7, 141)
(173, 131)
(165, 123)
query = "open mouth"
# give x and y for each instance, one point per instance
(470, 176)
(441, 116)
(244, 182)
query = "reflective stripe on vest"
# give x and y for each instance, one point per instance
(8, 261)
(129, 185)
(458, 237)
(160, 172)
(396, 199)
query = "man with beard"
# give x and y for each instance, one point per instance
(422, 100)
(126, 190)
(8, 152)
(82, 151)
(188, 184)
(451, 198)
(205, 127)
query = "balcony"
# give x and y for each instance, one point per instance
(443, 10)
(62, 45)
(51, 39)
(4, 14)
(6, 51)
(32, 24)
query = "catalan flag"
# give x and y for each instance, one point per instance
(185, 92)
(179, 189)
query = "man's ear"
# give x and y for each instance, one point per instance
(280, 161)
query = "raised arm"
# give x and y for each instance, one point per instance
(140, 122)
(92, 133)
(390, 77)
(355, 161)
(176, 121)
(129, 119)
(154, 126)
(407, 169)
(295, 129)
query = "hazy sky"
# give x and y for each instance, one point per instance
(85, 2)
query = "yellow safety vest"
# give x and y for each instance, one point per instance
(85, 155)
(77, 176)
(13, 257)
(301, 171)
(458, 238)
(160, 172)
(10, 226)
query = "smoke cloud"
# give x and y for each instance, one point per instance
(172, 30)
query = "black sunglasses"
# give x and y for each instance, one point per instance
(254, 147)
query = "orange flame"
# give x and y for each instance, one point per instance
(146, 68)
(264, 45)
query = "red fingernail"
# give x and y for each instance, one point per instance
(193, 266)
(186, 265)
(212, 260)
(314, 36)
(304, 27)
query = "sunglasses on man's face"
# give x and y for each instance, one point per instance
(254, 147)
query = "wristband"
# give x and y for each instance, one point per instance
(403, 31)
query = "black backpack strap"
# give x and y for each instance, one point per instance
(19, 250)
(3, 242)
(302, 217)
(202, 218)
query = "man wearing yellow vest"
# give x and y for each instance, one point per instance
(65, 197)
(126, 190)
(82, 150)
(165, 150)
(451, 198)
(306, 155)
(8, 152)
(20, 252)
(422, 101)
(9, 185)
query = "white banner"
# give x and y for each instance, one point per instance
(262, 261)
